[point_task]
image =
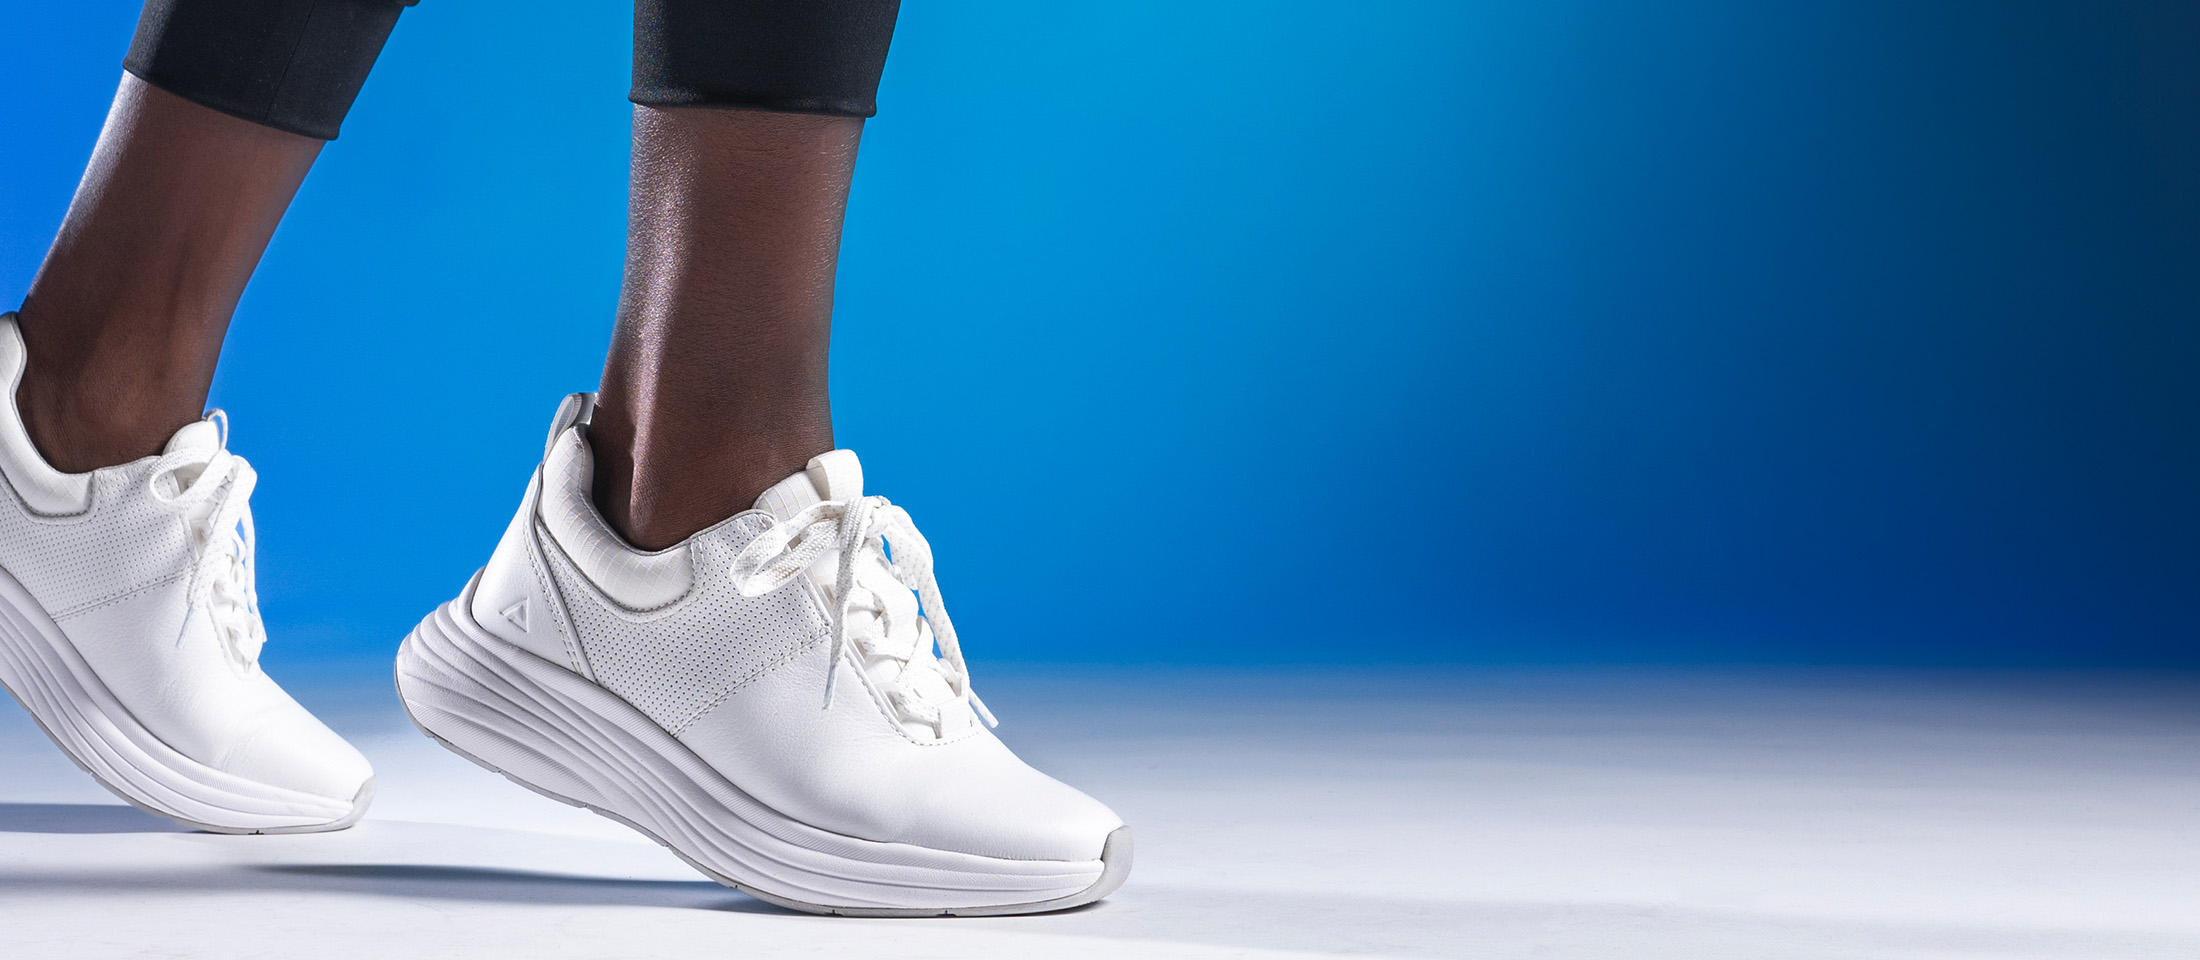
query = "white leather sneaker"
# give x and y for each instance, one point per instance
(130, 629)
(764, 699)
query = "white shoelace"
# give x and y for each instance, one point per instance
(862, 530)
(216, 507)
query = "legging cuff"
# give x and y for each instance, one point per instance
(295, 65)
(805, 56)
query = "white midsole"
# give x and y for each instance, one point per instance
(552, 730)
(42, 668)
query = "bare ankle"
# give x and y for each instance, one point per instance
(662, 484)
(124, 320)
(86, 415)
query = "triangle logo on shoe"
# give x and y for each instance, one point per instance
(517, 613)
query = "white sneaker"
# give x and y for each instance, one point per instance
(129, 628)
(708, 696)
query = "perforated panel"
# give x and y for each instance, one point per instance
(674, 663)
(124, 543)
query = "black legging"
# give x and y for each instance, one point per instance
(296, 65)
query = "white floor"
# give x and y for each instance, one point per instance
(1404, 813)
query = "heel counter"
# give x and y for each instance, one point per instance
(514, 599)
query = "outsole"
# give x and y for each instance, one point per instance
(1115, 858)
(43, 672)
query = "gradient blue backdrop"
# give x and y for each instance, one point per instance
(1237, 331)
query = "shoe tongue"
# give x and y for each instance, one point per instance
(196, 437)
(200, 440)
(837, 475)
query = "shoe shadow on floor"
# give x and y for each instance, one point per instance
(488, 884)
(498, 885)
(404, 881)
(82, 818)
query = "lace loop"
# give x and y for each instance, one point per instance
(859, 529)
(213, 494)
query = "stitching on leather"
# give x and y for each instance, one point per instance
(750, 680)
(698, 545)
(594, 603)
(555, 601)
(84, 608)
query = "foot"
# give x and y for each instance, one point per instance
(764, 698)
(130, 629)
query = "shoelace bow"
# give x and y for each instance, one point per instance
(861, 529)
(216, 506)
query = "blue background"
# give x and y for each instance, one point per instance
(1236, 331)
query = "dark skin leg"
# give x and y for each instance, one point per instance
(715, 385)
(124, 321)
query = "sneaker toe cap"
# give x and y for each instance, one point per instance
(291, 749)
(973, 796)
(1010, 811)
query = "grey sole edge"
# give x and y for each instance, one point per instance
(1115, 855)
